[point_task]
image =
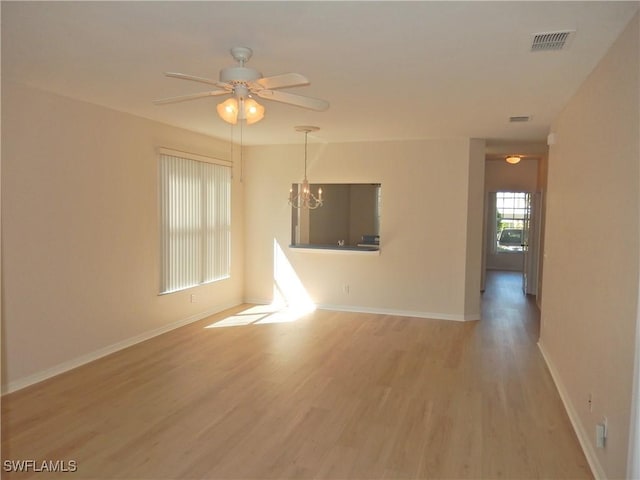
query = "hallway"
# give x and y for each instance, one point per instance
(504, 303)
(519, 381)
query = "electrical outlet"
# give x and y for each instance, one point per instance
(601, 433)
(345, 288)
(193, 299)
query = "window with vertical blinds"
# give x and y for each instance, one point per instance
(195, 220)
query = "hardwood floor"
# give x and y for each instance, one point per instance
(331, 395)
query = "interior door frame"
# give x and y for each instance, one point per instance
(533, 255)
(531, 244)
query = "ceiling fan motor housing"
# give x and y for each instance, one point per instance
(235, 75)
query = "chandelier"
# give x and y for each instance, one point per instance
(303, 198)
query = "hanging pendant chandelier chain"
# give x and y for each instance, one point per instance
(306, 134)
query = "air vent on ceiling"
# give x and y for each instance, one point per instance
(520, 118)
(543, 42)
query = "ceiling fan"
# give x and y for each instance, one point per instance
(243, 84)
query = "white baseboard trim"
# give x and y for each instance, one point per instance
(583, 437)
(400, 313)
(103, 352)
(258, 301)
(381, 311)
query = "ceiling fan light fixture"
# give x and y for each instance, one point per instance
(253, 111)
(228, 111)
(513, 159)
(233, 109)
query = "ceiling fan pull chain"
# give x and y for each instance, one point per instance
(241, 157)
(231, 147)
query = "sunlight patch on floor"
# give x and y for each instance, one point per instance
(290, 299)
(262, 314)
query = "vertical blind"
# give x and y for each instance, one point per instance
(195, 222)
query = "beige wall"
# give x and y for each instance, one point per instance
(80, 232)
(503, 177)
(424, 267)
(590, 280)
(543, 167)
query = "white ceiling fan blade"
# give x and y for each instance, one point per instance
(283, 81)
(184, 98)
(293, 99)
(193, 78)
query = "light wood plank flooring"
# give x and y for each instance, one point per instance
(331, 395)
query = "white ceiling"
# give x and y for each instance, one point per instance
(391, 70)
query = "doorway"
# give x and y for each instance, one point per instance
(512, 235)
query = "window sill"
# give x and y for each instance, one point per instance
(347, 249)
